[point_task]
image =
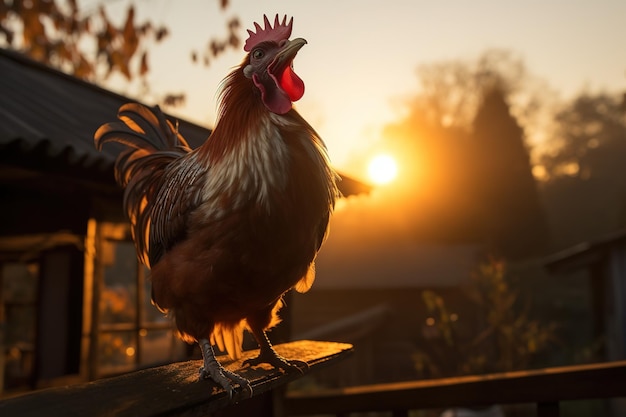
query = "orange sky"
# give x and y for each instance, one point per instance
(362, 55)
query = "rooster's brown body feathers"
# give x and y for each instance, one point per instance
(229, 227)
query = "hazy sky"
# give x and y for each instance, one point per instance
(362, 55)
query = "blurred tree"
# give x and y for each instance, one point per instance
(215, 46)
(89, 45)
(452, 91)
(505, 188)
(584, 186)
(466, 157)
(590, 139)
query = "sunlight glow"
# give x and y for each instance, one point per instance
(382, 169)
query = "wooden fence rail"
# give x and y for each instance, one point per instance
(174, 390)
(170, 390)
(544, 387)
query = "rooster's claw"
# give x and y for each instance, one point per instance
(226, 379)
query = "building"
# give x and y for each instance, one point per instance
(602, 264)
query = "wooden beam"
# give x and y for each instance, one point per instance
(168, 390)
(542, 386)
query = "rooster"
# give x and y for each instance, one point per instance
(229, 227)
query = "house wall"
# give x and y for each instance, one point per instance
(60, 313)
(45, 224)
(602, 265)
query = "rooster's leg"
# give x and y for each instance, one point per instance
(268, 355)
(212, 369)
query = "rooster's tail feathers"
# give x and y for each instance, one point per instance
(229, 338)
(152, 144)
(141, 128)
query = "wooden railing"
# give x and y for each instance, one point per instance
(544, 387)
(174, 390)
(171, 390)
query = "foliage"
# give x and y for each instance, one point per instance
(89, 45)
(501, 336)
(216, 47)
(584, 177)
(589, 139)
(452, 91)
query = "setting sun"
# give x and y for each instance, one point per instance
(382, 169)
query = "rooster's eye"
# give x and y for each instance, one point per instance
(258, 54)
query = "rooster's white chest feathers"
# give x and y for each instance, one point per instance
(252, 169)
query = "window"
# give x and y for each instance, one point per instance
(132, 333)
(18, 311)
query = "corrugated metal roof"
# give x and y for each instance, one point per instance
(46, 115)
(44, 111)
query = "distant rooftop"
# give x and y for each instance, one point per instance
(584, 253)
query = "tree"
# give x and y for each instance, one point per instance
(584, 187)
(467, 157)
(505, 187)
(452, 91)
(89, 45)
(590, 139)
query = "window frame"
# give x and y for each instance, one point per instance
(140, 326)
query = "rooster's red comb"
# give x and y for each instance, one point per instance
(280, 31)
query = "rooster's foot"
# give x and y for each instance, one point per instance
(216, 372)
(226, 379)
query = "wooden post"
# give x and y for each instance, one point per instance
(548, 409)
(91, 297)
(2, 332)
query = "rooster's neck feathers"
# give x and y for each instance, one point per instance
(249, 150)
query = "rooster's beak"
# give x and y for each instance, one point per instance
(285, 56)
(289, 87)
